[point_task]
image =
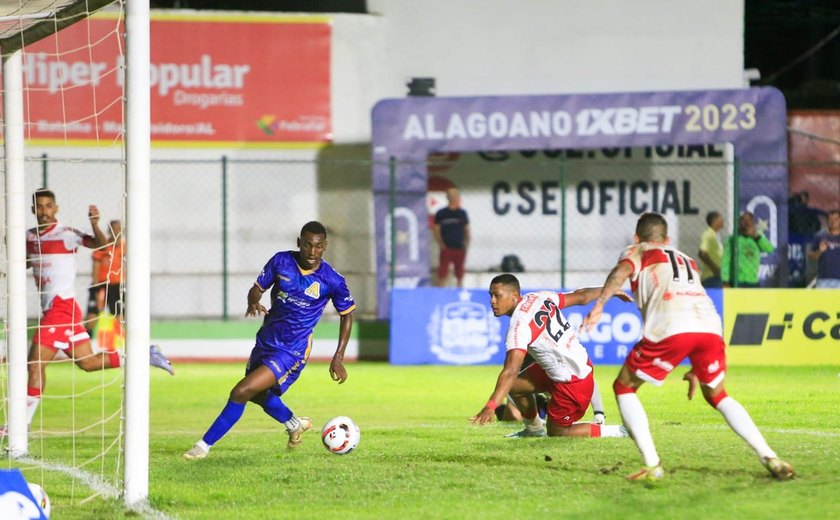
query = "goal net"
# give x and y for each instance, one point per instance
(71, 90)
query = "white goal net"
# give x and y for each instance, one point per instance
(70, 65)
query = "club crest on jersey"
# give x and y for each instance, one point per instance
(313, 291)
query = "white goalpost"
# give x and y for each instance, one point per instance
(21, 25)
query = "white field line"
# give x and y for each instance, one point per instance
(99, 486)
(448, 426)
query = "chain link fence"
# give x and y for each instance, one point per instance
(566, 215)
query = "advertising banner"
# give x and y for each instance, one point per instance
(782, 326)
(233, 80)
(457, 327)
(406, 131)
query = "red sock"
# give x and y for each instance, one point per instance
(32, 391)
(594, 430)
(114, 357)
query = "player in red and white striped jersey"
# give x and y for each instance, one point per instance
(561, 365)
(50, 252)
(680, 321)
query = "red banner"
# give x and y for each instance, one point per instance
(229, 81)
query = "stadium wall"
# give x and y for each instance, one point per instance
(470, 48)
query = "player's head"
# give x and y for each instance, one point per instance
(714, 219)
(652, 227)
(312, 243)
(746, 224)
(116, 228)
(453, 196)
(833, 220)
(504, 294)
(44, 206)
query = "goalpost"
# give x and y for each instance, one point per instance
(21, 25)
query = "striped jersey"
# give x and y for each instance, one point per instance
(667, 289)
(298, 298)
(538, 326)
(51, 255)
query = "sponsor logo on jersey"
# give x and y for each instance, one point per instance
(313, 291)
(664, 365)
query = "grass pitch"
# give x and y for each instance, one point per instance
(419, 456)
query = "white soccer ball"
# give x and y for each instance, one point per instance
(340, 435)
(41, 498)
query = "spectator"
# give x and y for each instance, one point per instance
(107, 276)
(711, 251)
(802, 218)
(749, 243)
(452, 233)
(825, 248)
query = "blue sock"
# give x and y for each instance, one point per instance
(274, 407)
(224, 422)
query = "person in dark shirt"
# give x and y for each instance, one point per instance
(452, 233)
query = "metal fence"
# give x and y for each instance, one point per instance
(566, 215)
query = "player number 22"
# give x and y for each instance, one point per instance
(554, 327)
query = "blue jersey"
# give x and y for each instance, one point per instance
(298, 298)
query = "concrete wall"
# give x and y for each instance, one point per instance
(471, 47)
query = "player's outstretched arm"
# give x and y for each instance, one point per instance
(584, 295)
(513, 361)
(255, 308)
(612, 286)
(98, 239)
(337, 370)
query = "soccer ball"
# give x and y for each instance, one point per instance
(340, 435)
(41, 498)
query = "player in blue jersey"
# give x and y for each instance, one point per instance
(301, 284)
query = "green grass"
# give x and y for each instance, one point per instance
(419, 456)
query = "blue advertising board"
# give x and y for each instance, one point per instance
(431, 325)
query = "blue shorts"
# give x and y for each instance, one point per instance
(285, 366)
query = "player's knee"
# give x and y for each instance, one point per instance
(620, 388)
(242, 393)
(712, 397)
(88, 364)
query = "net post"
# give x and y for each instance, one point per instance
(13, 145)
(138, 238)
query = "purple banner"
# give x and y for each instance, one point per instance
(753, 120)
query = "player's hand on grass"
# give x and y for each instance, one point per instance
(693, 382)
(337, 370)
(483, 417)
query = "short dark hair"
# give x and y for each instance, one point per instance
(314, 227)
(833, 212)
(506, 279)
(42, 192)
(711, 216)
(652, 227)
